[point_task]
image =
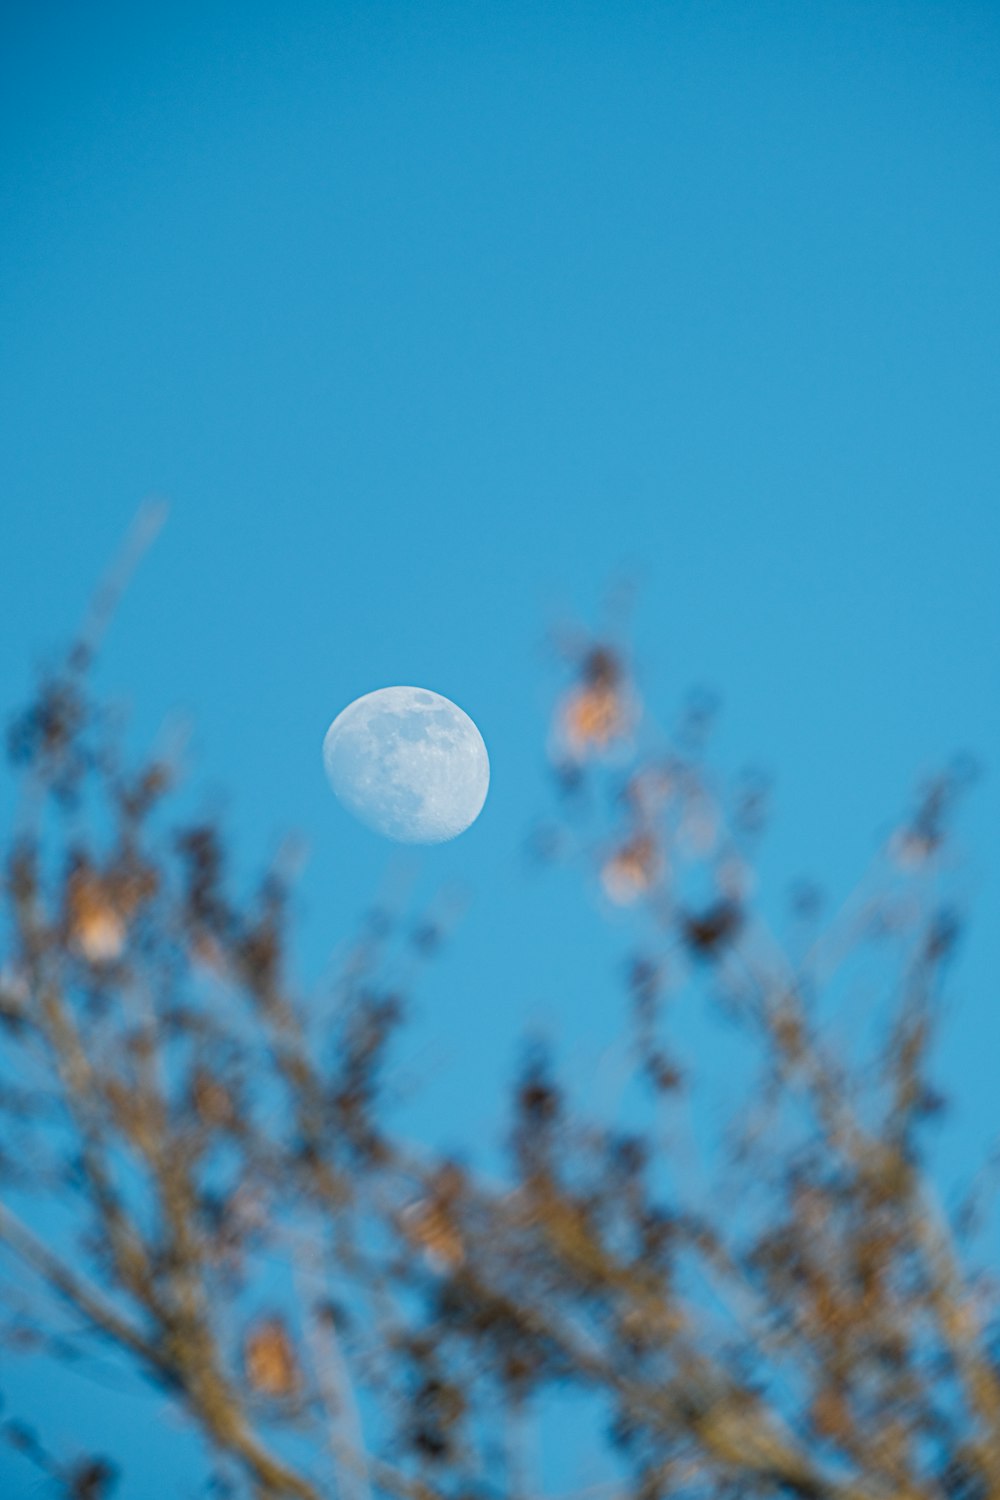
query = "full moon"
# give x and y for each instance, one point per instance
(409, 763)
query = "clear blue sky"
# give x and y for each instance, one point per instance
(430, 318)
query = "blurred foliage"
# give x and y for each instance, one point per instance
(795, 1315)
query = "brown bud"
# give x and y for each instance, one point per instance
(269, 1359)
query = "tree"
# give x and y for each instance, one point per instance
(818, 1330)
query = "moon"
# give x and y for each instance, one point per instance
(409, 764)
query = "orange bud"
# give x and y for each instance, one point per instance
(269, 1359)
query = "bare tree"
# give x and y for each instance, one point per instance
(790, 1312)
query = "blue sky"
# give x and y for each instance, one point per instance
(430, 320)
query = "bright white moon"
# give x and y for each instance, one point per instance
(409, 763)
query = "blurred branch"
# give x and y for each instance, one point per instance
(143, 532)
(335, 1306)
